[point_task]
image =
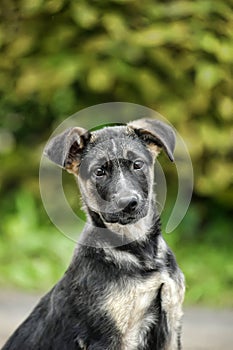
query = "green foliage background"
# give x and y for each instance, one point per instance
(59, 56)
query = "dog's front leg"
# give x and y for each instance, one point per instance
(172, 296)
(107, 339)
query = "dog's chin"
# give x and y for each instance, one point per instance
(122, 218)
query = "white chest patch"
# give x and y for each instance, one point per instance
(128, 307)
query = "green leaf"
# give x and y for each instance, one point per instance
(100, 78)
(208, 75)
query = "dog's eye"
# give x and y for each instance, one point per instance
(100, 172)
(138, 164)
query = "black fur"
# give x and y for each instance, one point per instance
(70, 310)
(75, 314)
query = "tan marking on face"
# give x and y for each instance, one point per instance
(93, 137)
(88, 193)
(73, 167)
(155, 150)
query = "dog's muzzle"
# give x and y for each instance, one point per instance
(128, 210)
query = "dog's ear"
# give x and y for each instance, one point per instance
(66, 148)
(156, 134)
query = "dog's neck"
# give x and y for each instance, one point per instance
(139, 245)
(135, 231)
(100, 234)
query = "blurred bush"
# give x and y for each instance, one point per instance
(59, 56)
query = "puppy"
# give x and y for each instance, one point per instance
(123, 289)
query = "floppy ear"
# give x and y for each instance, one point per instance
(65, 149)
(156, 134)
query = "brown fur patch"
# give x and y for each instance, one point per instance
(155, 150)
(72, 167)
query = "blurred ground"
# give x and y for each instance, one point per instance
(203, 329)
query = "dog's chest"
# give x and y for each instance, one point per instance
(130, 309)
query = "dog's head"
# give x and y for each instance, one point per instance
(114, 165)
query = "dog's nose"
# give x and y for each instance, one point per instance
(128, 203)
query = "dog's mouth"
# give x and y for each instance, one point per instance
(124, 218)
(111, 219)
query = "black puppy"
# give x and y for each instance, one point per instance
(123, 289)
